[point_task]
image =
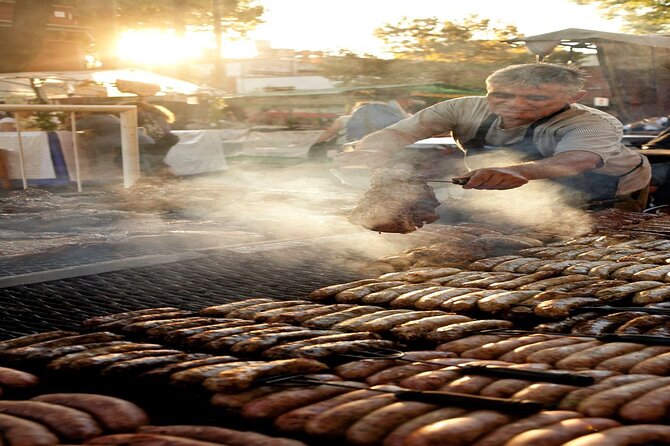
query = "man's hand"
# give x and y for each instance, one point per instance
(495, 178)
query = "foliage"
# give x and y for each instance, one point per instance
(642, 16)
(473, 40)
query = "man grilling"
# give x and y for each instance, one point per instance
(528, 127)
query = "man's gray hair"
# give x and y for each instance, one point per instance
(536, 74)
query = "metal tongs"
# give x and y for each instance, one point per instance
(457, 180)
(521, 407)
(498, 371)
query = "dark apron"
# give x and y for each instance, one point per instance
(589, 187)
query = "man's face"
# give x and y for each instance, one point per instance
(527, 104)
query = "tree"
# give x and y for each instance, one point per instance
(642, 16)
(472, 40)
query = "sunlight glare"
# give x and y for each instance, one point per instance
(158, 47)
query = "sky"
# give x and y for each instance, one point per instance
(335, 24)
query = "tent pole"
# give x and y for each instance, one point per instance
(75, 149)
(24, 180)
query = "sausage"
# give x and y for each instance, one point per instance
(467, 302)
(462, 329)
(496, 349)
(499, 303)
(504, 388)
(194, 360)
(66, 361)
(607, 402)
(396, 373)
(421, 274)
(248, 312)
(627, 272)
(47, 355)
(68, 423)
(640, 435)
(327, 321)
(288, 349)
(224, 309)
(533, 267)
(101, 361)
(654, 295)
(617, 293)
(17, 379)
(546, 393)
(655, 273)
(355, 323)
(433, 379)
(118, 325)
(328, 349)
(558, 433)
(414, 330)
(398, 435)
(656, 365)
(274, 315)
(354, 295)
(371, 429)
(237, 400)
(264, 341)
(296, 317)
(146, 439)
(503, 434)
(294, 420)
(144, 326)
(407, 300)
(134, 367)
(275, 404)
(513, 264)
(458, 346)
(623, 363)
(220, 435)
(488, 263)
(590, 357)
(606, 271)
(554, 354)
(574, 398)
(560, 308)
(326, 293)
(115, 414)
(490, 278)
(197, 375)
(212, 334)
(47, 346)
(469, 384)
(99, 320)
(519, 354)
(387, 295)
(363, 368)
(520, 281)
(240, 378)
(35, 339)
(458, 279)
(651, 407)
(435, 299)
(224, 344)
(18, 431)
(543, 284)
(641, 324)
(585, 267)
(604, 324)
(334, 422)
(177, 331)
(458, 431)
(382, 324)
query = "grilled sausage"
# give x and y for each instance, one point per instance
(543, 284)
(220, 435)
(328, 349)
(604, 324)
(653, 295)
(334, 422)
(295, 420)
(399, 434)
(460, 330)
(656, 365)
(572, 400)
(17, 379)
(104, 360)
(326, 293)
(224, 309)
(519, 354)
(248, 312)
(99, 320)
(275, 404)
(264, 341)
(641, 324)
(607, 402)
(467, 302)
(458, 346)
(146, 439)
(651, 407)
(119, 324)
(387, 295)
(546, 393)
(624, 363)
(435, 299)
(526, 279)
(371, 429)
(212, 334)
(504, 388)
(289, 349)
(240, 378)
(497, 349)
(195, 360)
(354, 324)
(115, 414)
(35, 339)
(237, 400)
(397, 373)
(408, 299)
(565, 325)
(133, 367)
(327, 321)
(558, 433)
(560, 308)
(46, 347)
(197, 375)
(414, 330)
(487, 264)
(68, 423)
(503, 434)
(458, 431)
(177, 332)
(590, 357)
(223, 344)
(18, 431)
(385, 323)
(554, 354)
(274, 316)
(421, 274)
(640, 435)
(620, 292)
(293, 316)
(354, 295)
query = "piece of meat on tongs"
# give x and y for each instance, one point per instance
(397, 201)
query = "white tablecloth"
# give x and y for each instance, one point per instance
(36, 155)
(198, 151)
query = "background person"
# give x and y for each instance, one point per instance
(528, 127)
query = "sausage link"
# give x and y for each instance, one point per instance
(398, 435)
(503, 434)
(18, 431)
(519, 354)
(220, 435)
(558, 433)
(656, 365)
(589, 358)
(635, 435)
(497, 349)
(623, 363)
(651, 407)
(458, 346)
(554, 354)
(608, 402)
(572, 400)
(458, 431)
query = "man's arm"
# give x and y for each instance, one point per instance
(562, 165)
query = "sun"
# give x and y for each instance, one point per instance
(153, 47)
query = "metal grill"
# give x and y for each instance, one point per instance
(219, 277)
